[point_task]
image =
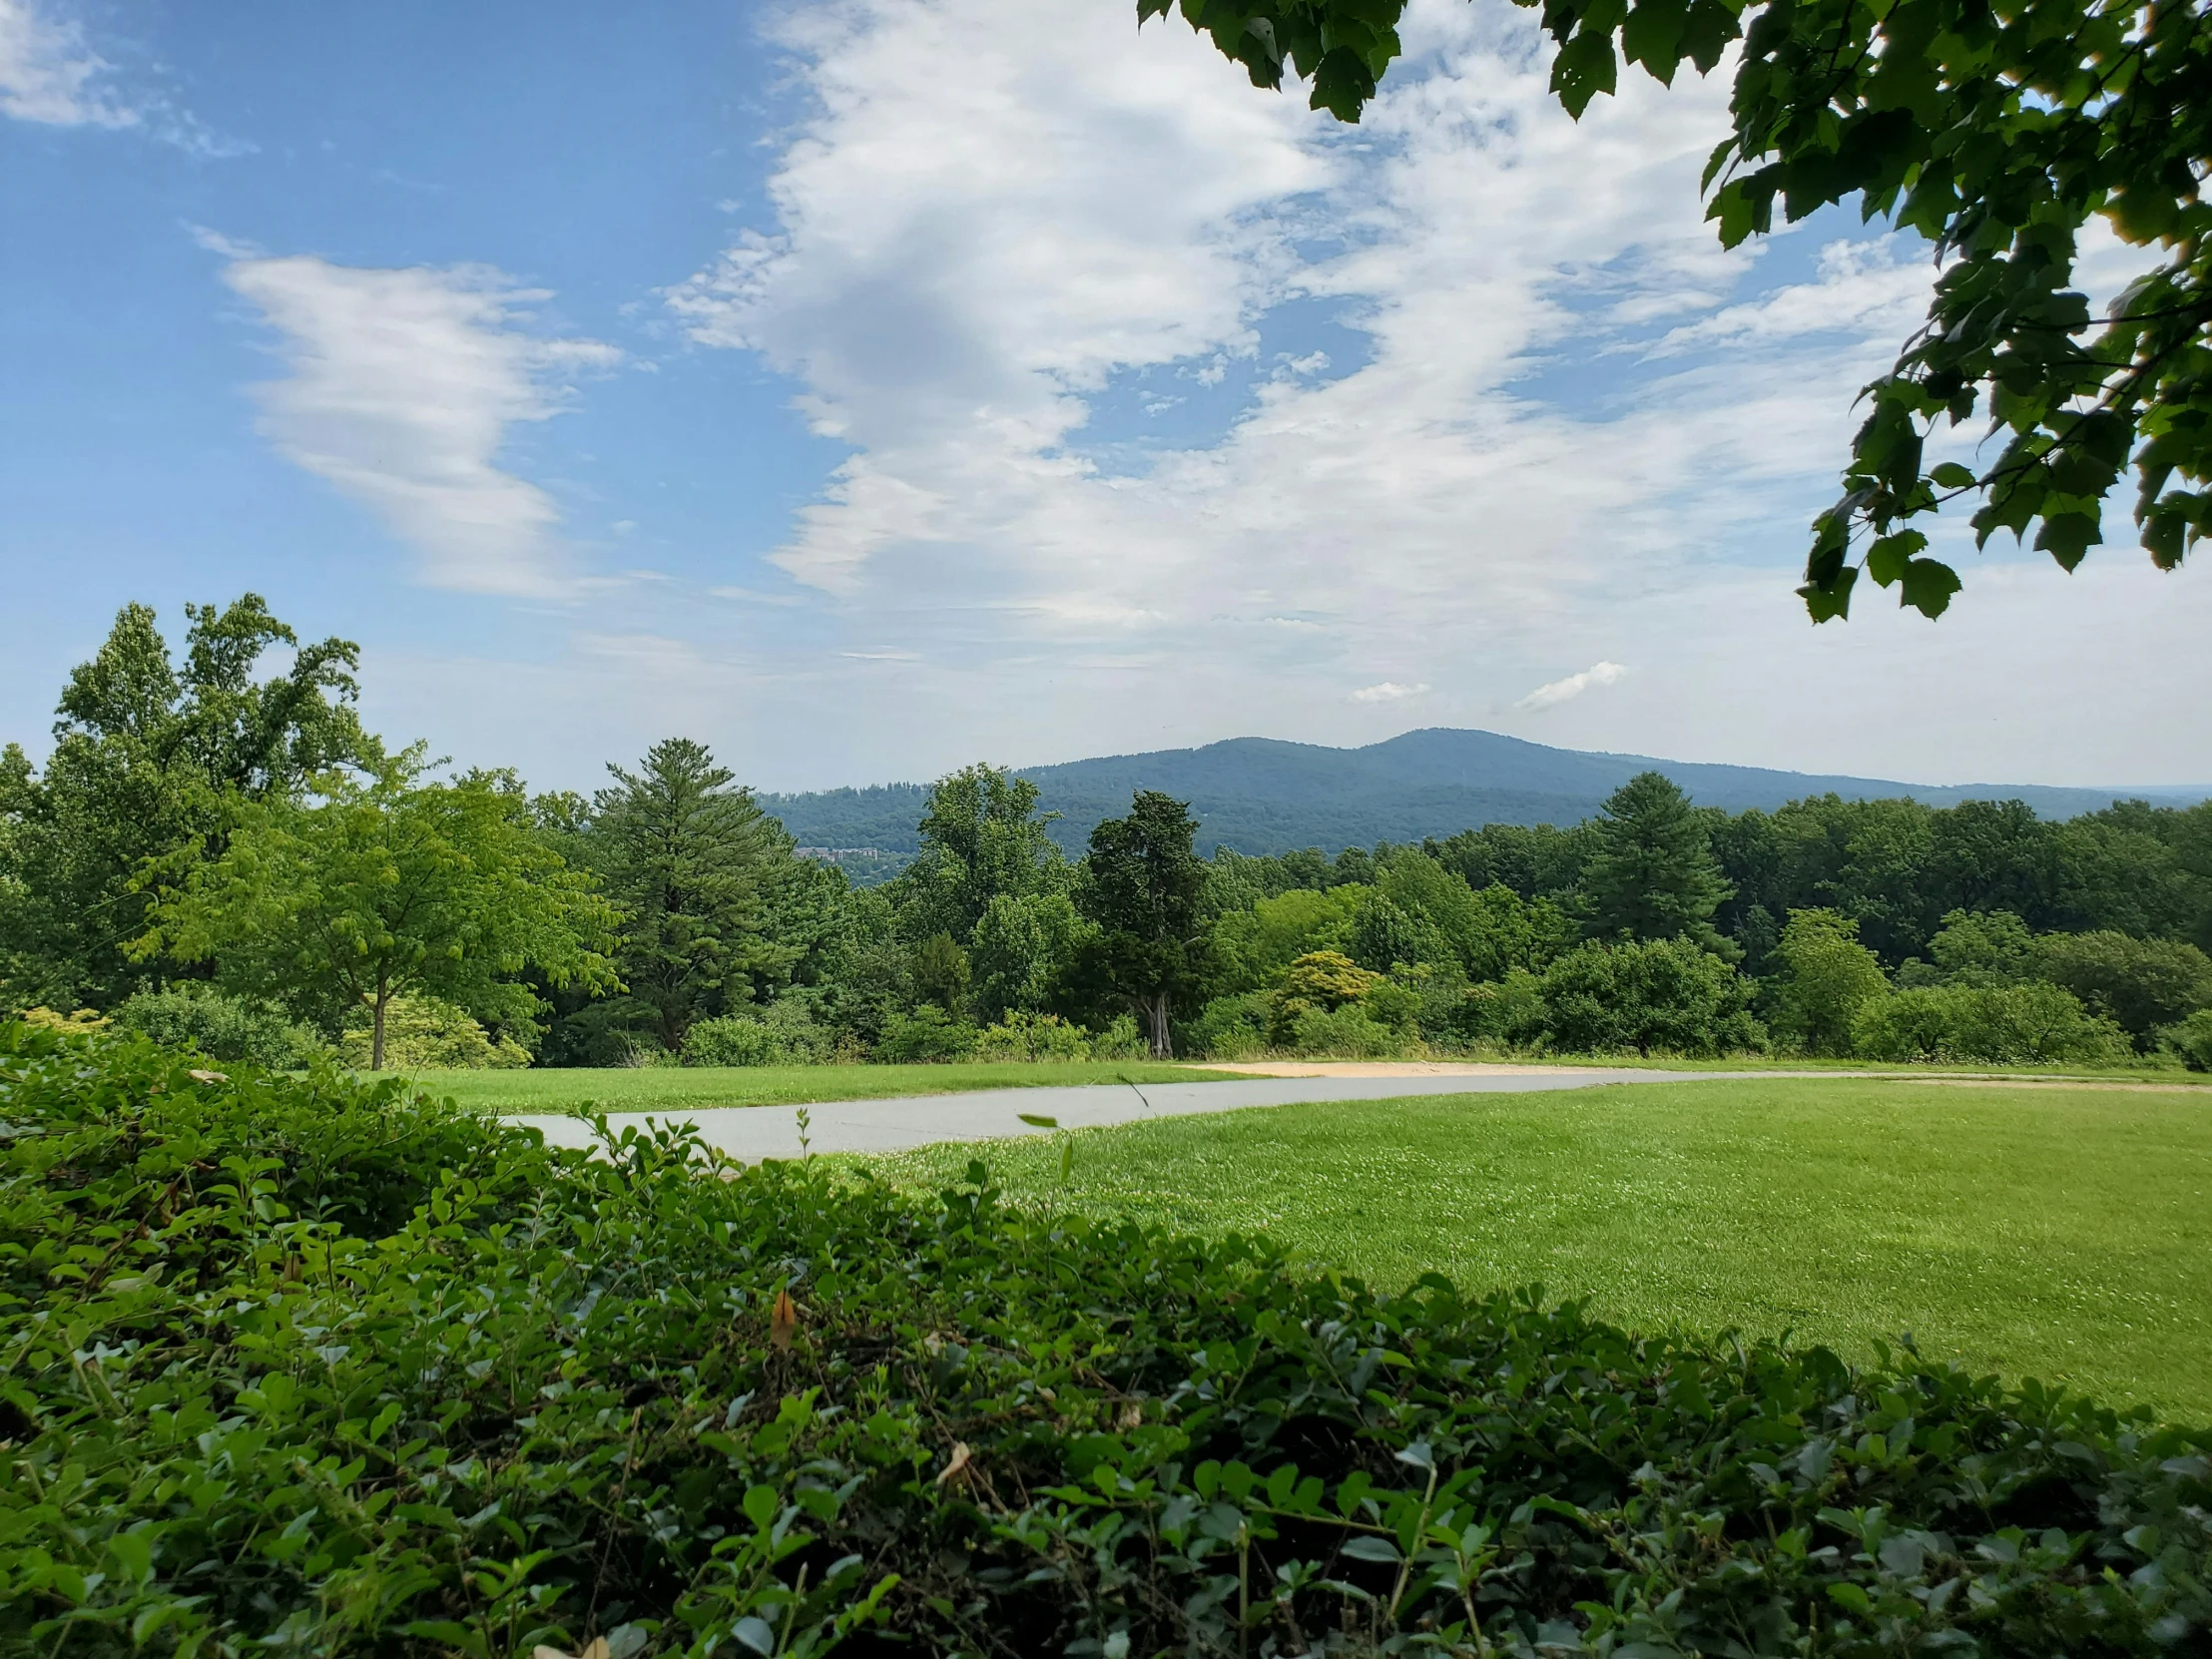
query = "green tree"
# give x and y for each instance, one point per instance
(981, 835)
(1253, 946)
(1998, 135)
(683, 855)
(1827, 976)
(1023, 950)
(1981, 950)
(387, 887)
(1651, 874)
(2139, 984)
(942, 974)
(1141, 886)
(148, 757)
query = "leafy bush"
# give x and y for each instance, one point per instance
(311, 1366)
(1347, 1033)
(1321, 981)
(82, 1022)
(1656, 995)
(189, 1015)
(1230, 1027)
(732, 1040)
(2030, 1024)
(928, 1033)
(783, 1033)
(1121, 1040)
(2192, 1040)
(1022, 1036)
(424, 1034)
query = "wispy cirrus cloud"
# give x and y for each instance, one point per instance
(402, 387)
(1387, 690)
(52, 76)
(1572, 686)
(49, 73)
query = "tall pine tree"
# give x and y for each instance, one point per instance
(1652, 873)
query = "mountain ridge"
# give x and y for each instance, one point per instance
(1271, 794)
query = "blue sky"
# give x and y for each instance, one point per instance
(865, 386)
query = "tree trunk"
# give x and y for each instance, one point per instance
(1156, 1016)
(376, 1033)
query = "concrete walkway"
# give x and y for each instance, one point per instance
(755, 1132)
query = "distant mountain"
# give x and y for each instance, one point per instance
(1257, 795)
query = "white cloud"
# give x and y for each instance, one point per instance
(1388, 691)
(1570, 411)
(402, 387)
(1574, 685)
(49, 75)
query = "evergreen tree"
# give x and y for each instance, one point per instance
(1652, 873)
(684, 857)
(1142, 886)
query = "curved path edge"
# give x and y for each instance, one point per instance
(896, 1124)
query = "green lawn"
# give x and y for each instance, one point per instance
(673, 1088)
(2064, 1234)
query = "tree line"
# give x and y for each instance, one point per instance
(237, 861)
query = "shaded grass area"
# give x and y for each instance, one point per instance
(673, 1088)
(2042, 1232)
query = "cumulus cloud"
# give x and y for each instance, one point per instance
(402, 387)
(1574, 685)
(1565, 412)
(49, 75)
(1388, 691)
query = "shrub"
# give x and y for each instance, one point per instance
(424, 1034)
(1656, 995)
(222, 1027)
(1230, 1027)
(782, 1033)
(732, 1040)
(82, 1023)
(2027, 1024)
(928, 1033)
(1023, 1036)
(1347, 1032)
(1121, 1040)
(2192, 1040)
(1320, 982)
(306, 1365)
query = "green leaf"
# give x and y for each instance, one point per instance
(2067, 537)
(1585, 68)
(1366, 1548)
(1827, 601)
(1887, 557)
(1951, 476)
(1927, 587)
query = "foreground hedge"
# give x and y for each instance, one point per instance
(302, 1367)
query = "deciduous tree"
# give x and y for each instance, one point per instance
(387, 887)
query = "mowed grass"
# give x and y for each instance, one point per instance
(2063, 1234)
(680, 1088)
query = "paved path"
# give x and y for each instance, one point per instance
(753, 1132)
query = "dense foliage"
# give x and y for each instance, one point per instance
(302, 1366)
(668, 919)
(2003, 134)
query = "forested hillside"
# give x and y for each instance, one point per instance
(1261, 795)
